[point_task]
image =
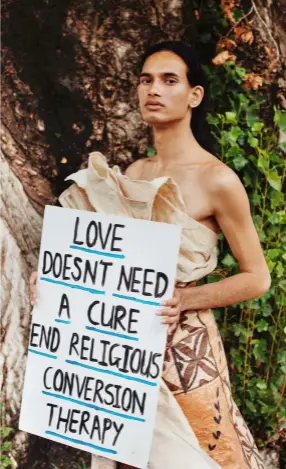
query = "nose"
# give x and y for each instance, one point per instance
(154, 89)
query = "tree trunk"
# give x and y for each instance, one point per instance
(69, 87)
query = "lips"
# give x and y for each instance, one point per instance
(154, 103)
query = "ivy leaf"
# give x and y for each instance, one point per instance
(235, 151)
(261, 384)
(212, 120)
(266, 310)
(277, 198)
(247, 180)
(241, 72)
(259, 350)
(274, 180)
(282, 285)
(6, 446)
(231, 117)
(239, 162)
(281, 356)
(271, 264)
(239, 329)
(262, 325)
(241, 140)
(229, 260)
(257, 221)
(262, 163)
(236, 358)
(6, 431)
(251, 118)
(273, 253)
(256, 198)
(151, 151)
(257, 127)
(279, 269)
(213, 278)
(273, 218)
(243, 99)
(233, 134)
(250, 406)
(253, 141)
(280, 119)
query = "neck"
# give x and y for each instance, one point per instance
(175, 143)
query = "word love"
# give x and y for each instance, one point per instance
(95, 234)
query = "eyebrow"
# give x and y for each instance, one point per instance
(165, 74)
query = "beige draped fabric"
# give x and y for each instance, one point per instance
(196, 414)
(102, 189)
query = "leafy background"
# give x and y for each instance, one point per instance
(250, 132)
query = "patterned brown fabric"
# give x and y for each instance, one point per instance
(196, 372)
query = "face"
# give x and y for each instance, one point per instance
(164, 92)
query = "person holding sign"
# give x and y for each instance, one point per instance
(186, 184)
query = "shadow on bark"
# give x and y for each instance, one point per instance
(44, 58)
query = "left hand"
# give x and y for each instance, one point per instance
(173, 313)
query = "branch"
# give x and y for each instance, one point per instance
(267, 29)
(239, 21)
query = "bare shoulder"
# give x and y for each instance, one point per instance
(135, 169)
(221, 179)
(227, 195)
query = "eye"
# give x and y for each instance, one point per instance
(145, 81)
(171, 81)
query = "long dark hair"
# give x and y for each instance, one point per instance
(196, 76)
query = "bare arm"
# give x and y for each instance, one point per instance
(232, 213)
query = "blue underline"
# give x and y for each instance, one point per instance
(122, 336)
(93, 406)
(100, 253)
(71, 285)
(63, 321)
(80, 442)
(114, 373)
(132, 298)
(42, 353)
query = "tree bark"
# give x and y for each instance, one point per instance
(69, 87)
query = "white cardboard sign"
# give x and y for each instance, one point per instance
(96, 345)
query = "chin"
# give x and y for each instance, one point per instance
(152, 118)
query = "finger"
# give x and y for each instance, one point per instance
(33, 278)
(33, 294)
(171, 302)
(32, 297)
(169, 312)
(33, 290)
(172, 320)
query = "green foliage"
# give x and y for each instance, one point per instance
(5, 459)
(254, 331)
